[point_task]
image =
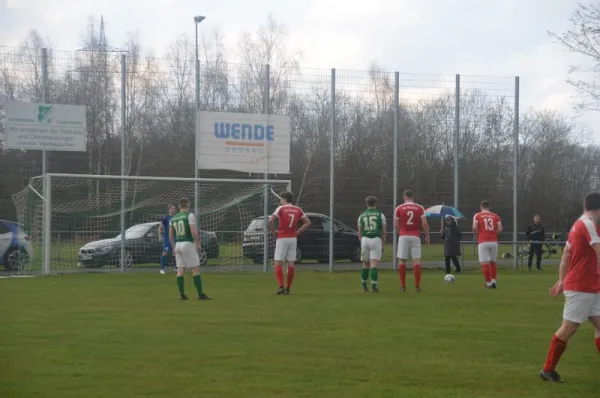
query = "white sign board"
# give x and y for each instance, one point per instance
(252, 143)
(45, 126)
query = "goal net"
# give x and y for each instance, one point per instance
(85, 221)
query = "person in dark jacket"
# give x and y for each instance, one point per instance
(451, 236)
(535, 235)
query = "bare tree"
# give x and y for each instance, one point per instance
(583, 38)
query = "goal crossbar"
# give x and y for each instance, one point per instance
(167, 179)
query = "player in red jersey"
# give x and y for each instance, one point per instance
(287, 231)
(579, 278)
(486, 227)
(408, 220)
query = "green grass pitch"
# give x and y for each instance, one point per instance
(128, 335)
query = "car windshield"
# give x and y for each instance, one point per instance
(137, 231)
(256, 225)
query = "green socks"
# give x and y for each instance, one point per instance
(198, 284)
(364, 277)
(180, 284)
(374, 276)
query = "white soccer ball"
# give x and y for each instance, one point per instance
(449, 278)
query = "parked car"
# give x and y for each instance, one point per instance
(143, 244)
(15, 246)
(313, 244)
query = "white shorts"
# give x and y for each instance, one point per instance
(186, 255)
(371, 248)
(285, 249)
(409, 245)
(488, 252)
(580, 306)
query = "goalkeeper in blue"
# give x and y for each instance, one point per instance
(163, 230)
(371, 232)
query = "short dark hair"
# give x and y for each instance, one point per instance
(371, 201)
(485, 204)
(288, 196)
(171, 205)
(408, 193)
(591, 202)
(184, 202)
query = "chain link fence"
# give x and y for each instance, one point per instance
(454, 135)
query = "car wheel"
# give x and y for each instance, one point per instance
(356, 255)
(16, 260)
(298, 255)
(202, 256)
(128, 259)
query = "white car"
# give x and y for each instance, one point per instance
(15, 246)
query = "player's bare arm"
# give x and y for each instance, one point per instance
(562, 272)
(359, 228)
(272, 224)
(397, 224)
(195, 235)
(499, 226)
(425, 227)
(596, 246)
(161, 229)
(475, 228)
(383, 233)
(305, 224)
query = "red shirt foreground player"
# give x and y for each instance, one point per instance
(287, 231)
(408, 220)
(486, 227)
(579, 278)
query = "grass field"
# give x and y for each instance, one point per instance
(128, 335)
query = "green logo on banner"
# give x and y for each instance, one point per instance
(45, 114)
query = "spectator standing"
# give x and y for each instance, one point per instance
(452, 236)
(536, 235)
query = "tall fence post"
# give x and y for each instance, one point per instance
(395, 171)
(47, 240)
(196, 154)
(267, 111)
(331, 169)
(516, 175)
(123, 129)
(45, 187)
(457, 142)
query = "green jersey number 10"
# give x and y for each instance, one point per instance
(179, 227)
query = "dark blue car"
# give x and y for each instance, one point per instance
(15, 246)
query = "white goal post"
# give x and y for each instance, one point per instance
(111, 222)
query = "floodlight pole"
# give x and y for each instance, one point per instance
(197, 20)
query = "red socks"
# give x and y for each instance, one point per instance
(417, 272)
(598, 343)
(290, 276)
(485, 268)
(402, 272)
(557, 347)
(493, 271)
(279, 275)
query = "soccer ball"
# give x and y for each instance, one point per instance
(449, 278)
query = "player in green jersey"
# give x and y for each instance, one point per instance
(183, 234)
(371, 232)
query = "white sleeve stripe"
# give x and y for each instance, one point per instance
(591, 228)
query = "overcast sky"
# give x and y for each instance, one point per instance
(470, 37)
